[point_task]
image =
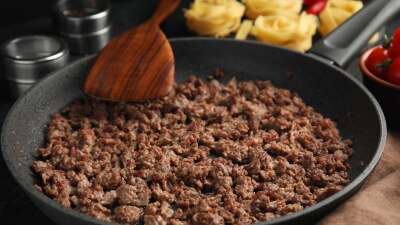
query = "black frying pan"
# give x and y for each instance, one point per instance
(329, 89)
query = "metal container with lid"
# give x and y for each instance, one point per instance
(85, 24)
(88, 43)
(27, 59)
(82, 16)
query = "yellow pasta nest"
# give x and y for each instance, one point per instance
(335, 13)
(278, 22)
(294, 32)
(255, 8)
(216, 18)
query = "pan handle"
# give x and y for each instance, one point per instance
(347, 40)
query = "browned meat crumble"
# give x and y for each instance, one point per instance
(206, 154)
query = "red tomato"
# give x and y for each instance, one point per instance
(317, 7)
(393, 72)
(376, 59)
(394, 50)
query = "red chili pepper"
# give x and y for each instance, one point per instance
(310, 2)
(317, 7)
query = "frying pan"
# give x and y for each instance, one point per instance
(323, 85)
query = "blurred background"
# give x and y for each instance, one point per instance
(17, 11)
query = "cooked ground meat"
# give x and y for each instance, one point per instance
(207, 154)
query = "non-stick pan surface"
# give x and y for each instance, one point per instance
(327, 88)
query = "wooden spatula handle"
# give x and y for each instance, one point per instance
(164, 9)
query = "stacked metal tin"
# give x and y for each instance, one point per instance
(84, 27)
(27, 59)
(84, 24)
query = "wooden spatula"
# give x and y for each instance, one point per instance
(136, 65)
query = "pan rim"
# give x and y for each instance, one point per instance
(348, 189)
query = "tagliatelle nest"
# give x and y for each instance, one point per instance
(278, 22)
(335, 13)
(255, 8)
(288, 31)
(214, 17)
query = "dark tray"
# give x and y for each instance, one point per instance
(15, 207)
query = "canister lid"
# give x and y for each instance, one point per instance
(27, 59)
(33, 49)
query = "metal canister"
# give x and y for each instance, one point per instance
(85, 24)
(88, 43)
(27, 59)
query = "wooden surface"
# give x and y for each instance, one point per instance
(378, 201)
(136, 65)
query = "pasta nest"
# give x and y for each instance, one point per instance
(255, 8)
(335, 13)
(216, 18)
(294, 31)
